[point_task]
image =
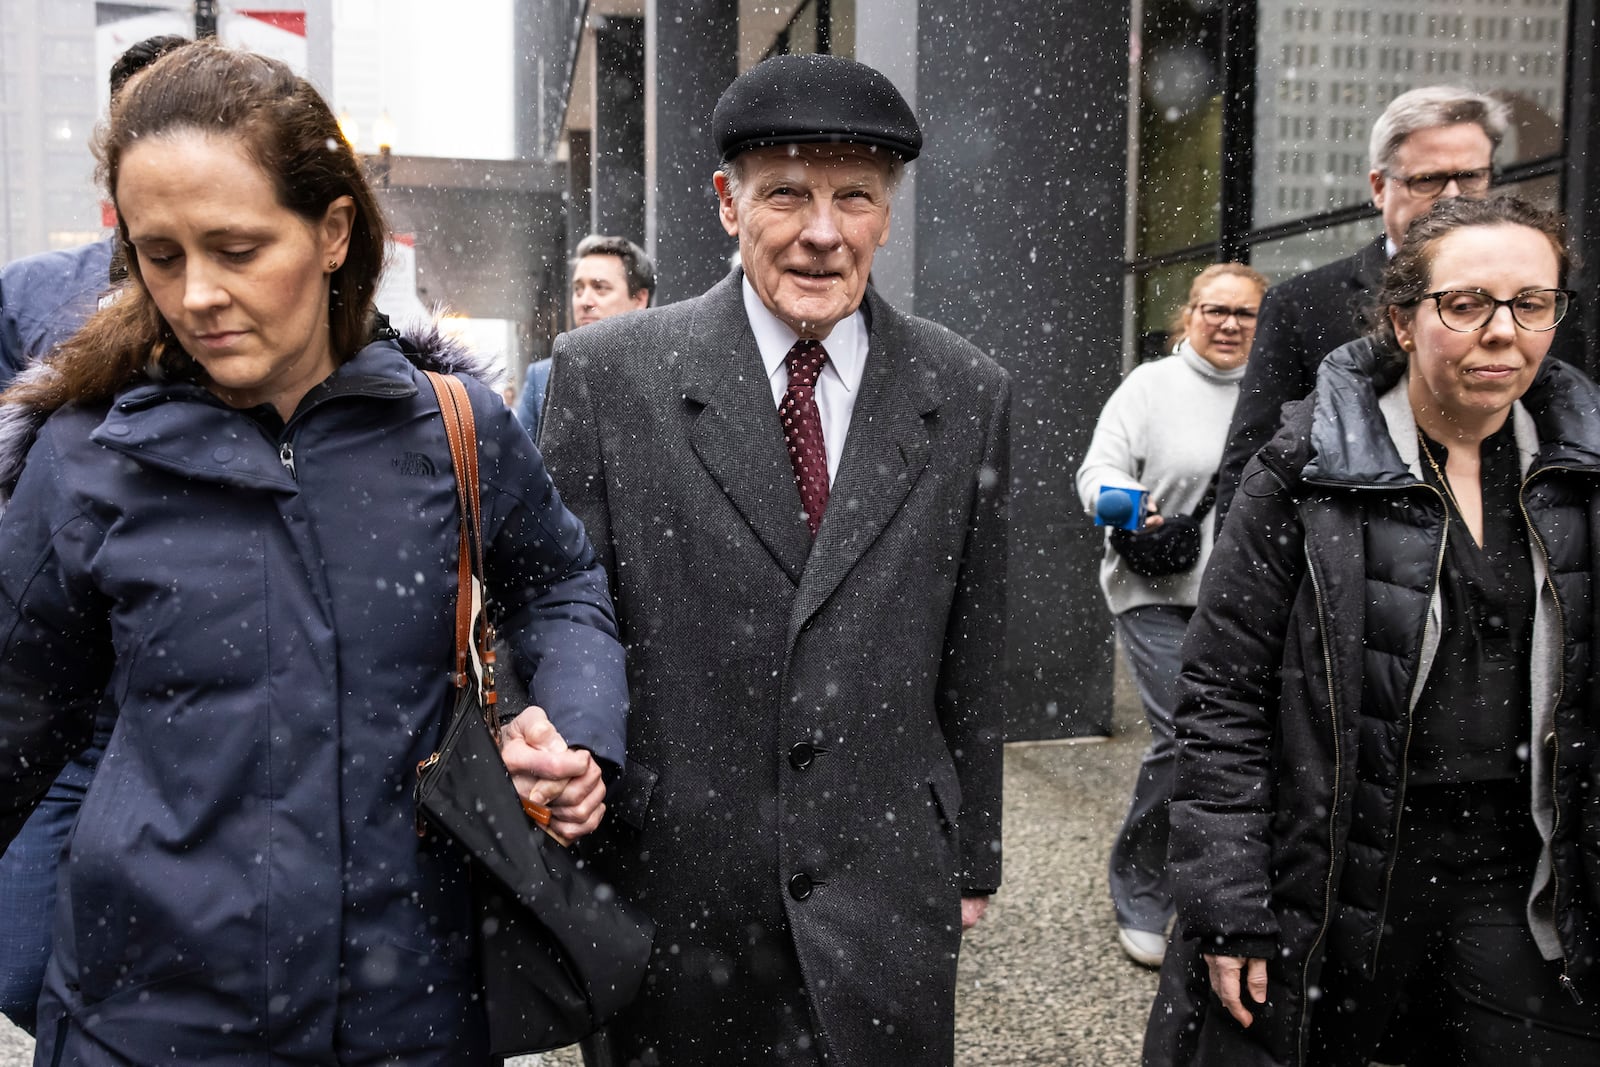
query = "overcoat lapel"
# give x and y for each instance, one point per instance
(735, 432)
(1368, 274)
(884, 454)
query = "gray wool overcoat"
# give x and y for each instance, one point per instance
(814, 749)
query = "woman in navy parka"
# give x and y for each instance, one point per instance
(238, 521)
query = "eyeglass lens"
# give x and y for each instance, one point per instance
(1471, 182)
(1217, 314)
(1466, 311)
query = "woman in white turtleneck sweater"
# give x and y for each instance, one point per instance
(1163, 431)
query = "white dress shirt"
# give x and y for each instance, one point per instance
(840, 381)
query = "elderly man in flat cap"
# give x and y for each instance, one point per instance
(800, 496)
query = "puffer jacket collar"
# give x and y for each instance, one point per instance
(1352, 442)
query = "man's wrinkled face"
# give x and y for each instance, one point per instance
(809, 219)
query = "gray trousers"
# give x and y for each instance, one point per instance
(1152, 637)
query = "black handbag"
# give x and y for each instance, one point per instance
(560, 952)
(1171, 548)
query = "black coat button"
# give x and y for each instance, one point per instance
(800, 886)
(801, 755)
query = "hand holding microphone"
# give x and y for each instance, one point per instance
(1119, 506)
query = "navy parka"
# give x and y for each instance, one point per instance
(271, 606)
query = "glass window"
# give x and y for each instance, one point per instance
(1545, 191)
(1179, 126)
(1159, 295)
(1284, 258)
(1323, 76)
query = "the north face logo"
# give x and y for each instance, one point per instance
(414, 463)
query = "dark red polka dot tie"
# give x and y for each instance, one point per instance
(802, 429)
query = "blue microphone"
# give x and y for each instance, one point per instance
(1118, 506)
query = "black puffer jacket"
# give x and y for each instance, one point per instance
(1319, 617)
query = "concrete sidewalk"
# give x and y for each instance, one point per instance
(1042, 981)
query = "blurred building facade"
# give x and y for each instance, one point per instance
(1083, 161)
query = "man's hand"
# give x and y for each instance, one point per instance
(972, 909)
(546, 771)
(1225, 971)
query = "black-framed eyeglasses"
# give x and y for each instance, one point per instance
(1470, 182)
(1217, 314)
(1467, 310)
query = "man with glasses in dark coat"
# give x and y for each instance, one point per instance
(1437, 141)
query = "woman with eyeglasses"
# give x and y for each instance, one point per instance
(1385, 797)
(1161, 435)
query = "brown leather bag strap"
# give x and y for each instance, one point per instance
(474, 652)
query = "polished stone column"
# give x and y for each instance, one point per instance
(693, 55)
(580, 167)
(617, 187)
(882, 29)
(1019, 216)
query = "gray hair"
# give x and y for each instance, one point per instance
(733, 171)
(1430, 106)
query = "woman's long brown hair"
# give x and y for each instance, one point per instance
(287, 129)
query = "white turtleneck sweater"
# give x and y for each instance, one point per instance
(1162, 431)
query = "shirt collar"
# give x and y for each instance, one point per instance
(846, 342)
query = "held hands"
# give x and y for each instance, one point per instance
(1225, 972)
(1153, 519)
(546, 771)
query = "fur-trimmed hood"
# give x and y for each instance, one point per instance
(426, 347)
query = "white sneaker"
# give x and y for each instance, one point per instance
(1144, 947)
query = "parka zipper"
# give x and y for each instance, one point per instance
(1333, 807)
(1405, 748)
(1338, 761)
(1564, 978)
(286, 457)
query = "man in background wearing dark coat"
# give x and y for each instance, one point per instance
(610, 276)
(807, 550)
(1433, 142)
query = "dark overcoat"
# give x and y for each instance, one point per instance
(814, 751)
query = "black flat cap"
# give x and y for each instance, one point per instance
(812, 99)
